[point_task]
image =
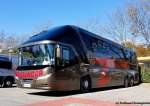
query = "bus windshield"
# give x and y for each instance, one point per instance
(37, 55)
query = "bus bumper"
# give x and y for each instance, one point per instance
(48, 82)
(39, 82)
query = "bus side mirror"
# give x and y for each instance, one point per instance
(58, 51)
(58, 56)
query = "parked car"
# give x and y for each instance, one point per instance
(7, 73)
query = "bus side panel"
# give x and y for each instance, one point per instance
(109, 62)
(68, 78)
(1, 80)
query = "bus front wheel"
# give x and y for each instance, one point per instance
(85, 84)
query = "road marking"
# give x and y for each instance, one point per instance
(77, 102)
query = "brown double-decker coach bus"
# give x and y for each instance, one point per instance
(71, 58)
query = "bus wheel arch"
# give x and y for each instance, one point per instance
(131, 81)
(126, 81)
(85, 83)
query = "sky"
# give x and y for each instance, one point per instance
(22, 16)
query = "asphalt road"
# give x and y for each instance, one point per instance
(17, 96)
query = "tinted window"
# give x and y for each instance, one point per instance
(133, 58)
(117, 52)
(103, 53)
(128, 55)
(4, 59)
(67, 57)
(73, 58)
(5, 65)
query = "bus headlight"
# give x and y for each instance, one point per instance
(17, 78)
(44, 77)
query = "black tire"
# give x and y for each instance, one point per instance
(85, 84)
(131, 82)
(140, 75)
(8, 83)
(126, 82)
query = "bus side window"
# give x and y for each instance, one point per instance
(65, 57)
(133, 58)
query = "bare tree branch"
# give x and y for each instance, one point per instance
(117, 26)
(139, 16)
(43, 27)
(2, 39)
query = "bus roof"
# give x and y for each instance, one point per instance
(55, 34)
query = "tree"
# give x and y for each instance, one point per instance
(141, 51)
(22, 38)
(139, 16)
(2, 39)
(12, 42)
(92, 25)
(117, 27)
(129, 44)
(43, 27)
(130, 23)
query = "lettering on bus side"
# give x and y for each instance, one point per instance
(29, 74)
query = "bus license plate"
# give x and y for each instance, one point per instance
(26, 83)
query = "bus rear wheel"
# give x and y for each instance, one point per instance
(126, 82)
(131, 82)
(85, 84)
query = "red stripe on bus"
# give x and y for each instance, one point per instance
(29, 74)
(104, 80)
